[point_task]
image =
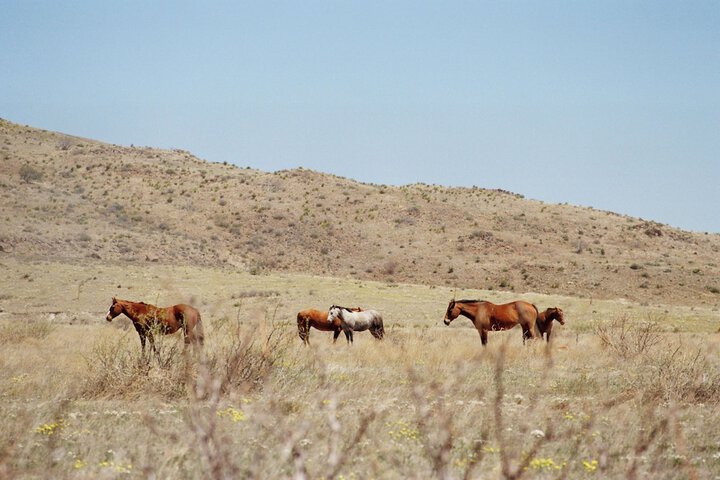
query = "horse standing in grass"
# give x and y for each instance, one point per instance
(357, 321)
(545, 319)
(319, 320)
(148, 319)
(487, 316)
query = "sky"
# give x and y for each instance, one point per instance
(608, 104)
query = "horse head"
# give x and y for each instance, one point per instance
(115, 309)
(333, 313)
(452, 312)
(558, 315)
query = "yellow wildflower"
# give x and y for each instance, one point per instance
(236, 415)
(590, 466)
(50, 428)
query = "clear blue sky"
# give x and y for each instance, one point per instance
(609, 104)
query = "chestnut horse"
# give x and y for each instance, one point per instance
(319, 320)
(487, 316)
(148, 319)
(545, 320)
(357, 321)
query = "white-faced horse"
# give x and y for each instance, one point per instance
(357, 321)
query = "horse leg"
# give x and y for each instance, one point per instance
(549, 331)
(336, 334)
(527, 333)
(151, 337)
(483, 336)
(141, 333)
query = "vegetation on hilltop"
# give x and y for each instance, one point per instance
(65, 197)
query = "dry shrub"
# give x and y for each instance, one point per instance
(628, 338)
(117, 368)
(18, 331)
(241, 359)
(677, 374)
(279, 430)
(247, 355)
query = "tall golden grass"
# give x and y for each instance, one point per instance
(424, 403)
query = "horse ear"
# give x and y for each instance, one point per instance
(114, 300)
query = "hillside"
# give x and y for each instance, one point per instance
(78, 200)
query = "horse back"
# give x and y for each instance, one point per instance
(317, 319)
(527, 312)
(373, 317)
(507, 315)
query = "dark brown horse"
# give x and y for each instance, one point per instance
(148, 319)
(319, 320)
(487, 316)
(545, 319)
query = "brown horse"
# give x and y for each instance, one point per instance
(545, 319)
(487, 316)
(148, 319)
(319, 320)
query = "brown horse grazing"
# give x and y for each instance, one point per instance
(149, 318)
(545, 320)
(487, 316)
(319, 320)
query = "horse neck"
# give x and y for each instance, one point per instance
(469, 311)
(136, 310)
(351, 318)
(547, 316)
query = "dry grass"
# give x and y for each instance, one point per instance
(427, 402)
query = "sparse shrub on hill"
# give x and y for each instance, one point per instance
(459, 224)
(30, 174)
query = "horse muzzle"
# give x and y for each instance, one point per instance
(109, 318)
(446, 321)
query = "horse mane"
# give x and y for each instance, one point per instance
(470, 301)
(134, 303)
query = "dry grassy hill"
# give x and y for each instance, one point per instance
(73, 199)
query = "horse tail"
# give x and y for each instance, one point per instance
(303, 326)
(539, 326)
(199, 331)
(379, 330)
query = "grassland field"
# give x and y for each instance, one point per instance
(625, 390)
